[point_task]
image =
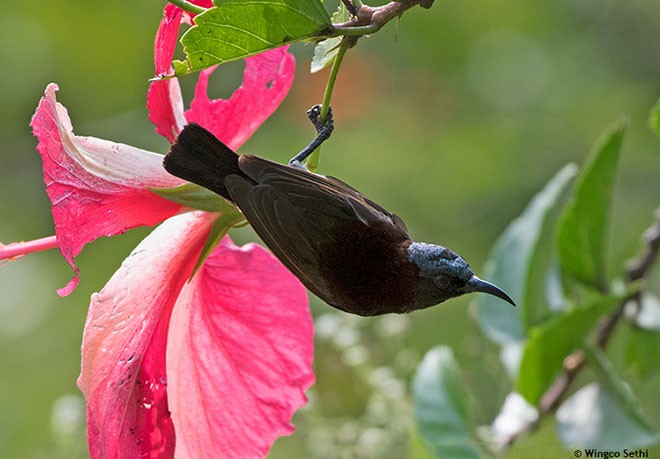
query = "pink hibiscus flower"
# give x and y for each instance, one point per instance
(205, 362)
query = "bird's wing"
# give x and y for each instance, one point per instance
(297, 214)
(372, 207)
(292, 236)
(309, 191)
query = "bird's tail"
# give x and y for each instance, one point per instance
(199, 157)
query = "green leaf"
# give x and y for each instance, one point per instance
(592, 418)
(441, 407)
(235, 29)
(619, 390)
(195, 197)
(654, 118)
(520, 263)
(549, 344)
(325, 53)
(642, 339)
(326, 50)
(583, 226)
(642, 351)
(604, 415)
(417, 447)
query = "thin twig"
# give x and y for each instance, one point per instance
(636, 269)
(350, 6)
(368, 19)
(641, 266)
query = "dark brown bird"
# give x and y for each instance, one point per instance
(345, 248)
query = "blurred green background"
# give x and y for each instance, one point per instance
(452, 119)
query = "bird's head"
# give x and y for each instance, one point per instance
(444, 274)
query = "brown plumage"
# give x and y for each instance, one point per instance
(343, 247)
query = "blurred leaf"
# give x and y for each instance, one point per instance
(519, 263)
(583, 225)
(619, 390)
(549, 344)
(441, 406)
(591, 418)
(235, 29)
(326, 50)
(542, 263)
(510, 355)
(642, 341)
(642, 351)
(654, 118)
(417, 448)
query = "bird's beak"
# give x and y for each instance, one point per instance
(479, 285)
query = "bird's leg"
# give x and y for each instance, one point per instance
(323, 130)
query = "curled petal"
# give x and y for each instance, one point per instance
(123, 375)
(165, 106)
(240, 352)
(96, 187)
(168, 33)
(266, 81)
(164, 100)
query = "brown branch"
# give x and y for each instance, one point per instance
(640, 267)
(572, 366)
(636, 270)
(367, 19)
(352, 9)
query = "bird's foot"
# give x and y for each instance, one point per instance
(323, 127)
(323, 130)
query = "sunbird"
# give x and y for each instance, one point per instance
(346, 249)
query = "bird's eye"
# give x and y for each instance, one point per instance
(441, 281)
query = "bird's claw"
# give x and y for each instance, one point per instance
(314, 115)
(323, 130)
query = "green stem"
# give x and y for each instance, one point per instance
(187, 6)
(313, 161)
(356, 31)
(332, 79)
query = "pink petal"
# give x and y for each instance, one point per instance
(96, 187)
(164, 100)
(266, 81)
(239, 354)
(123, 376)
